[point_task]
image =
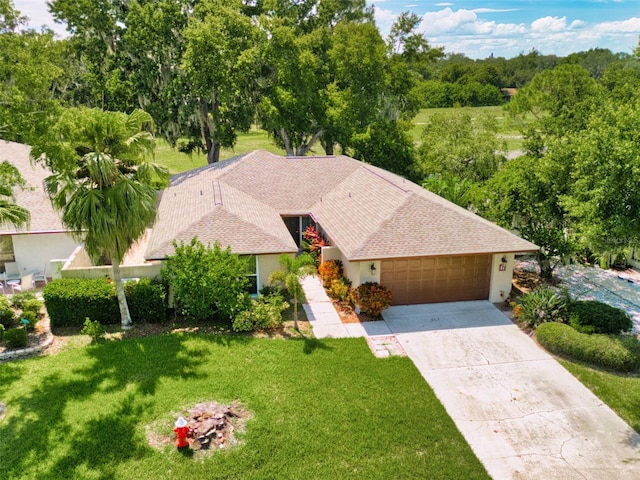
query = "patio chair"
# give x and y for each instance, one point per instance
(22, 285)
(39, 276)
(11, 271)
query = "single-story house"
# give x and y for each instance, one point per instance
(33, 246)
(382, 227)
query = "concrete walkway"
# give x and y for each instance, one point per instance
(522, 413)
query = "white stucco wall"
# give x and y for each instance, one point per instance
(35, 251)
(501, 279)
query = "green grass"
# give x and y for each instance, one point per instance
(177, 161)
(620, 392)
(322, 409)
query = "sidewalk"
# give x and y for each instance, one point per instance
(322, 315)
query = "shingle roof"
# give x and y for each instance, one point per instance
(33, 197)
(367, 212)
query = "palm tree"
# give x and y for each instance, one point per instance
(10, 213)
(293, 270)
(103, 184)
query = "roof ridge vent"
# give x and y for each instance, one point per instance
(217, 193)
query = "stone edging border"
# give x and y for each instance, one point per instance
(29, 351)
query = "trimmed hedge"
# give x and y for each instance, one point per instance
(620, 353)
(147, 301)
(590, 316)
(70, 301)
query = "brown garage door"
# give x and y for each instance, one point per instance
(437, 279)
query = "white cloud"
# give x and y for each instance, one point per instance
(384, 19)
(549, 24)
(493, 10)
(632, 25)
(444, 4)
(446, 20)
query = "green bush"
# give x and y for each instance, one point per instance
(1, 331)
(591, 316)
(263, 314)
(94, 329)
(15, 338)
(146, 300)
(207, 282)
(18, 299)
(541, 306)
(372, 298)
(620, 353)
(7, 315)
(70, 301)
(32, 305)
(31, 317)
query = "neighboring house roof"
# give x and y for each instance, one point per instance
(33, 197)
(367, 212)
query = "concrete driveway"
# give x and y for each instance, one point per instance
(523, 414)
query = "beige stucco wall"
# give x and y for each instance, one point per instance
(501, 280)
(365, 272)
(266, 265)
(35, 251)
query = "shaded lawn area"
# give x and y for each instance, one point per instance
(620, 392)
(322, 409)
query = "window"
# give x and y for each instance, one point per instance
(252, 273)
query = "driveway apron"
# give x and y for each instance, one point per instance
(522, 413)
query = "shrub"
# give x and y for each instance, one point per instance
(340, 289)
(7, 315)
(31, 317)
(207, 282)
(329, 271)
(32, 305)
(18, 299)
(372, 298)
(313, 243)
(541, 306)
(146, 300)
(1, 331)
(620, 353)
(263, 314)
(70, 301)
(590, 316)
(94, 329)
(273, 290)
(15, 338)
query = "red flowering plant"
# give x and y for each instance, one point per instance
(313, 243)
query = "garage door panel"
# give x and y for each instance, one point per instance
(437, 279)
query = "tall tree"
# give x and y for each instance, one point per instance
(29, 65)
(221, 60)
(460, 145)
(521, 196)
(103, 184)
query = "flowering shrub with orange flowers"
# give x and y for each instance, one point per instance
(329, 271)
(372, 298)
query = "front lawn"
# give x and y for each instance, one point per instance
(321, 409)
(620, 392)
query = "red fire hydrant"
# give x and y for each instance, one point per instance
(182, 432)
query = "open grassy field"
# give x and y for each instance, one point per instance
(177, 161)
(258, 139)
(321, 409)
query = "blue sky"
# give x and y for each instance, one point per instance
(480, 28)
(506, 28)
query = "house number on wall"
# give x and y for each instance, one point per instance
(502, 268)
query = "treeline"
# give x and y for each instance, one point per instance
(313, 74)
